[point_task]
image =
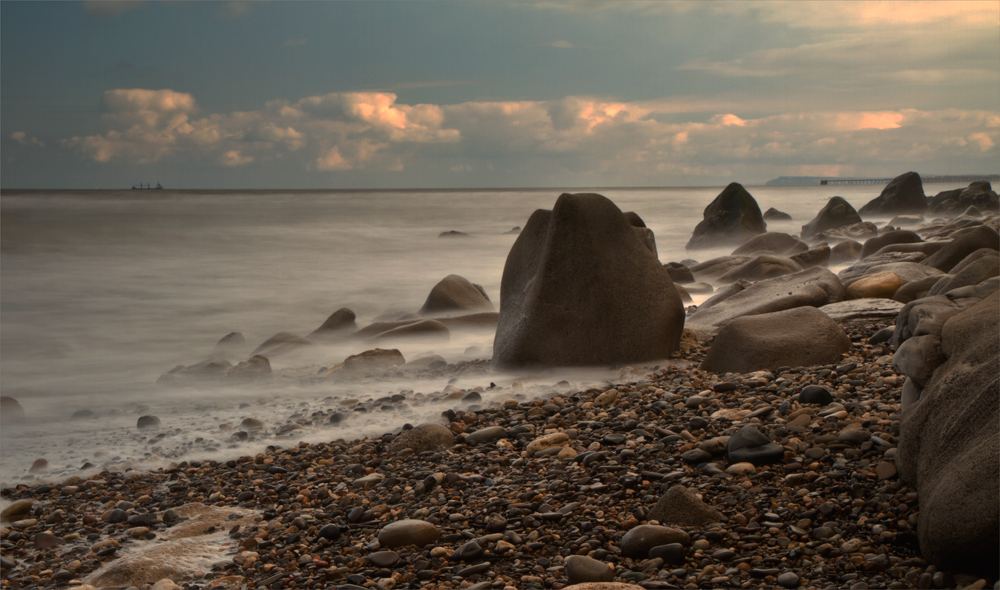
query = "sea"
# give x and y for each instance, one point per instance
(104, 291)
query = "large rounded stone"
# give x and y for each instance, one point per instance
(339, 323)
(836, 213)
(426, 437)
(916, 289)
(813, 287)
(580, 288)
(408, 532)
(147, 422)
(639, 540)
(818, 256)
(485, 435)
(965, 242)
(863, 309)
(873, 245)
(978, 194)
(581, 569)
(377, 359)
(682, 506)
(846, 251)
(949, 446)
(797, 337)
(976, 268)
(880, 285)
(456, 294)
(904, 194)
(281, 343)
(731, 219)
(716, 267)
(18, 510)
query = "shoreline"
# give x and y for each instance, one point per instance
(831, 513)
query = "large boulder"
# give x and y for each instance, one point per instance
(580, 288)
(979, 194)
(836, 213)
(455, 294)
(803, 336)
(950, 445)
(11, 411)
(965, 242)
(846, 251)
(925, 248)
(813, 288)
(818, 256)
(899, 236)
(716, 267)
(976, 268)
(879, 285)
(377, 359)
(760, 268)
(731, 219)
(340, 323)
(870, 264)
(904, 194)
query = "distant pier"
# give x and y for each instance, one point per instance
(924, 179)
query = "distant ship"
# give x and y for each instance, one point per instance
(141, 186)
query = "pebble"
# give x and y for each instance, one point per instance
(581, 569)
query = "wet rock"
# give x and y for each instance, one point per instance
(880, 285)
(486, 435)
(586, 246)
(682, 506)
(408, 532)
(965, 243)
(795, 337)
(863, 309)
(761, 267)
(846, 251)
(425, 437)
(340, 323)
(773, 214)
(257, 367)
(640, 539)
(580, 569)
(836, 213)
(147, 422)
(904, 194)
(281, 343)
(916, 289)
(374, 360)
(39, 466)
(750, 445)
(732, 218)
(818, 256)
(873, 245)
(455, 294)
(814, 394)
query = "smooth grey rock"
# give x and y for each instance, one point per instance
(977, 267)
(408, 532)
(904, 194)
(797, 337)
(867, 309)
(916, 289)
(281, 343)
(761, 267)
(581, 569)
(485, 435)
(750, 445)
(640, 539)
(846, 251)
(340, 323)
(965, 242)
(814, 287)
(455, 294)
(900, 236)
(818, 256)
(836, 213)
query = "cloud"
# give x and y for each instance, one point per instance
(106, 8)
(583, 138)
(22, 138)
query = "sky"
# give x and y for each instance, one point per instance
(338, 95)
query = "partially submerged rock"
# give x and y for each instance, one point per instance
(904, 194)
(281, 343)
(11, 411)
(731, 219)
(340, 323)
(835, 214)
(455, 294)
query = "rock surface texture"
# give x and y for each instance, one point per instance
(455, 294)
(731, 219)
(949, 440)
(580, 288)
(836, 213)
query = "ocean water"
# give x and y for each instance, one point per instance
(101, 292)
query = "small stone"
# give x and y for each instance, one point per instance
(16, 511)
(788, 580)
(671, 554)
(750, 445)
(682, 506)
(639, 540)
(814, 394)
(147, 422)
(854, 435)
(545, 442)
(384, 558)
(408, 532)
(885, 470)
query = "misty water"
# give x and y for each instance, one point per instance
(101, 292)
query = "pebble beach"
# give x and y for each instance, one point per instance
(551, 491)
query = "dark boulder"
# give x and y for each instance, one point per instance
(814, 288)
(455, 294)
(965, 242)
(580, 288)
(846, 251)
(855, 231)
(803, 336)
(978, 194)
(950, 445)
(893, 237)
(835, 214)
(750, 445)
(11, 411)
(281, 343)
(731, 219)
(904, 194)
(772, 243)
(340, 322)
(773, 214)
(974, 269)
(818, 256)
(716, 267)
(917, 289)
(679, 273)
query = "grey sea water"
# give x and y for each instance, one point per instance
(101, 292)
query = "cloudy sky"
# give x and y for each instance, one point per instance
(493, 94)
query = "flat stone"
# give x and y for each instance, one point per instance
(581, 569)
(885, 470)
(749, 445)
(639, 540)
(384, 558)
